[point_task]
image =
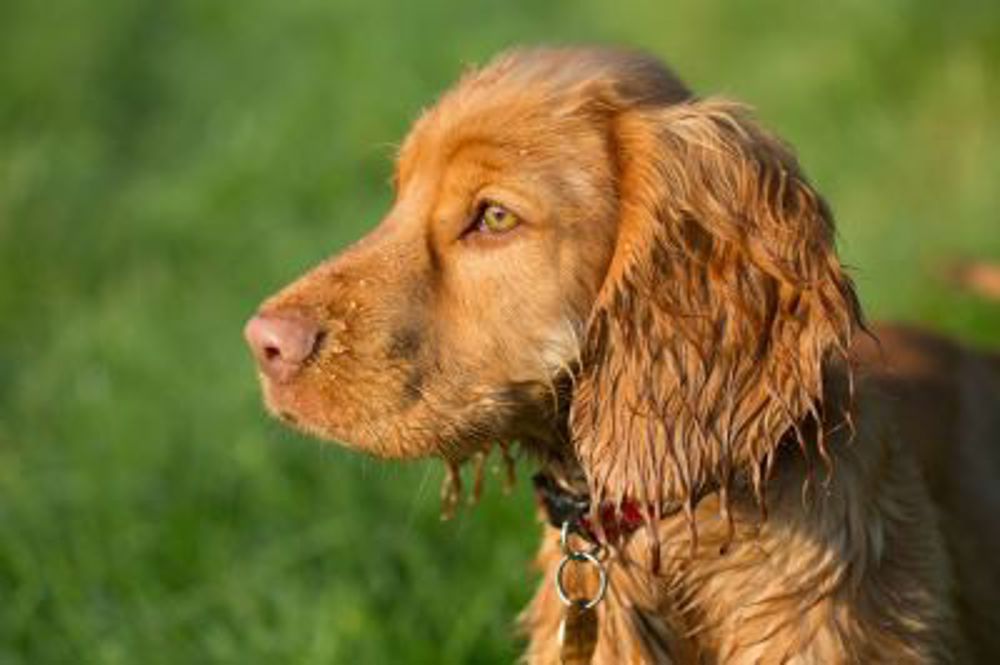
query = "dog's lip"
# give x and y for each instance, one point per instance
(282, 372)
(295, 406)
(282, 407)
(274, 393)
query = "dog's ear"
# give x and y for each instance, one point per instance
(722, 305)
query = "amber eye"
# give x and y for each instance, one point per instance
(496, 219)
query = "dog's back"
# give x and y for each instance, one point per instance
(947, 399)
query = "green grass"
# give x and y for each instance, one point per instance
(164, 165)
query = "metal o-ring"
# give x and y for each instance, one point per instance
(581, 557)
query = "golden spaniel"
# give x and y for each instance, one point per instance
(641, 287)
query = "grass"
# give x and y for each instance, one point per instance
(165, 164)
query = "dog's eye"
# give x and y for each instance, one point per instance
(495, 218)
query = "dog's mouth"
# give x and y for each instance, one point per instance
(507, 429)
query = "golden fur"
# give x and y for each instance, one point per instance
(668, 325)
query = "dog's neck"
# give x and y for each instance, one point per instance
(805, 541)
(562, 496)
(803, 444)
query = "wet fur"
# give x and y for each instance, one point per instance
(671, 325)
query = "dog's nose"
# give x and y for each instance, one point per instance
(281, 344)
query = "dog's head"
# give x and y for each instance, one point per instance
(573, 215)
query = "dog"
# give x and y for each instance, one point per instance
(640, 287)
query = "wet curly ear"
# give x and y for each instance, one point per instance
(723, 304)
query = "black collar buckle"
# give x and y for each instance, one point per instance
(560, 505)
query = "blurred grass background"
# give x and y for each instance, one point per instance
(166, 164)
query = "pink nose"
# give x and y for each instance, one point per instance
(281, 344)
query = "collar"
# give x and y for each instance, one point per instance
(610, 523)
(563, 506)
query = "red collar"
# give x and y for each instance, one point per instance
(562, 505)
